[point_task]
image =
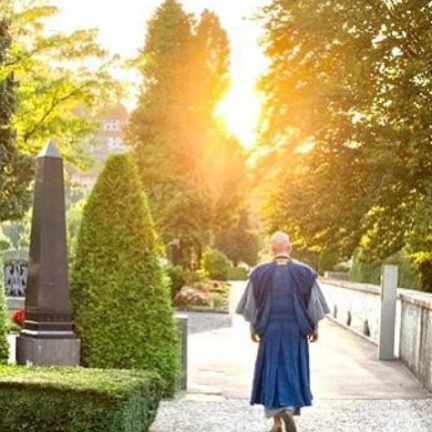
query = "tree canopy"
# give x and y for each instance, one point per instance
(347, 111)
(15, 169)
(51, 87)
(191, 167)
(64, 79)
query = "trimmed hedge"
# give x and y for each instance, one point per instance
(4, 346)
(120, 299)
(77, 400)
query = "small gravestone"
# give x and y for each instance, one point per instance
(15, 269)
(47, 337)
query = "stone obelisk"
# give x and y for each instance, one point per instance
(47, 337)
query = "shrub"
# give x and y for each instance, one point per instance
(121, 302)
(177, 278)
(237, 274)
(77, 399)
(4, 345)
(425, 269)
(328, 259)
(4, 245)
(215, 264)
(370, 272)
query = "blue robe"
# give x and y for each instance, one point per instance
(283, 304)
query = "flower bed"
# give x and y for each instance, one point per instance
(204, 296)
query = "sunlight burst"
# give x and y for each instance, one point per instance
(240, 111)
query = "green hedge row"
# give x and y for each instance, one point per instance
(60, 399)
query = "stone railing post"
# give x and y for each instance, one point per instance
(386, 343)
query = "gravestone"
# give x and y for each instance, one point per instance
(47, 337)
(15, 269)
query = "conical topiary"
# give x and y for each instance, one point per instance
(4, 345)
(121, 304)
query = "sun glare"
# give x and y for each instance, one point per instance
(122, 29)
(240, 111)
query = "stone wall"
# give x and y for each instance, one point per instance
(354, 305)
(416, 335)
(358, 306)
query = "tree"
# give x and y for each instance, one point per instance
(190, 166)
(45, 84)
(239, 243)
(121, 304)
(347, 102)
(15, 169)
(64, 80)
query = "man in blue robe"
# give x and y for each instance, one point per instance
(283, 304)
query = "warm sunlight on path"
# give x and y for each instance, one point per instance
(344, 366)
(353, 391)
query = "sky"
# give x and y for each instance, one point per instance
(122, 26)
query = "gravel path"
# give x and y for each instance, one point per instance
(326, 416)
(355, 392)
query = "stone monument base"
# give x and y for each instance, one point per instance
(47, 352)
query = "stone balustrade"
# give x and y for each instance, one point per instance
(357, 307)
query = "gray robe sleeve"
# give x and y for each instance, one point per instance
(247, 305)
(317, 308)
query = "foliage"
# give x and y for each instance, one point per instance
(64, 80)
(17, 233)
(328, 260)
(73, 220)
(215, 264)
(192, 169)
(239, 243)
(33, 399)
(121, 305)
(365, 271)
(347, 110)
(4, 244)
(4, 345)
(237, 274)
(177, 277)
(15, 169)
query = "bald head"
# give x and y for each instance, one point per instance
(280, 243)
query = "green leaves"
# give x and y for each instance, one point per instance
(60, 76)
(121, 305)
(33, 399)
(353, 81)
(15, 169)
(191, 168)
